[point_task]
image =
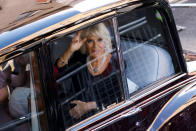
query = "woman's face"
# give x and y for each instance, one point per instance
(95, 46)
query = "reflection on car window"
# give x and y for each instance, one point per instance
(87, 72)
(147, 49)
(19, 95)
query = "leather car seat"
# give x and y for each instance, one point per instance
(146, 63)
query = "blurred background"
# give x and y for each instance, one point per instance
(186, 23)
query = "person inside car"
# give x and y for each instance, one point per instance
(14, 87)
(9, 80)
(93, 47)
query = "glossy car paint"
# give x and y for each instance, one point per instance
(139, 111)
(175, 105)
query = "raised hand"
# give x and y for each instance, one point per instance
(77, 42)
(74, 46)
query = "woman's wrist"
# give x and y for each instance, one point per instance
(63, 60)
(91, 105)
(67, 55)
(70, 50)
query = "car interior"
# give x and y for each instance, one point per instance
(145, 50)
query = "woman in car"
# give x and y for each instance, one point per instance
(93, 47)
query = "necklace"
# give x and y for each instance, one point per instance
(96, 69)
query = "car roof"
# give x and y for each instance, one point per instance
(21, 28)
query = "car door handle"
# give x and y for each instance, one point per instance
(132, 112)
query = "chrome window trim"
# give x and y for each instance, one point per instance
(120, 59)
(35, 121)
(173, 89)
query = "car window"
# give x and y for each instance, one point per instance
(87, 72)
(21, 103)
(147, 48)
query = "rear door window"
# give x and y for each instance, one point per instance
(147, 47)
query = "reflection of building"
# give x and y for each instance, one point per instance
(25, 11)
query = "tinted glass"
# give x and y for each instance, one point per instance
(147, 48)
(87, 72)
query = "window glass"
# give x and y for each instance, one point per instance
(21, 105)
(87, 72)
(147, 48)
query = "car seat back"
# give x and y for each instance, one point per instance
(146, 63)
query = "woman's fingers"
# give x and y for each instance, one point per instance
(84, 40)
(77, 42)
(73, 113)
(77, 36)
(76, 111)
(75, 101)
(78, 33)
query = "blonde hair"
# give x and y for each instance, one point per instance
(99, 30)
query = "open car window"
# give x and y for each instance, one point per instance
(147, 48)
(87, 72)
